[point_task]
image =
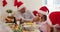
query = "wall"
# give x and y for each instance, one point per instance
(33, 4)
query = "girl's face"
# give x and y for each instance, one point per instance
(37, 18)
(40, 15)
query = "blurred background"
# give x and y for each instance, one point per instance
(31, 5)
(52, 5)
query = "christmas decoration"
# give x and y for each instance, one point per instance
(15, 2)
(4, 3)
(18, 4)
(9, 11)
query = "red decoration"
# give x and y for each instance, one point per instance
(15, 3)
(55, 18)
(4, 3)
(18, 4)
(44, 8)
(35, 12)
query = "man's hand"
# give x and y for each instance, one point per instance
(8, 19)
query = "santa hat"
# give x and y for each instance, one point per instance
(21, 6)
(35, 12)
(55, 18)
(44, 10)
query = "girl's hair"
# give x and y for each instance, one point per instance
(44, 18)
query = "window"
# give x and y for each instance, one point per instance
(56, 2)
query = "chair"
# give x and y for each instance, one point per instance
(55, 19)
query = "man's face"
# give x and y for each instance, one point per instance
(22, 10)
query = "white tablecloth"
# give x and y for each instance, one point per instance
(4, 27)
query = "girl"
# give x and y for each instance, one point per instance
(41, 23)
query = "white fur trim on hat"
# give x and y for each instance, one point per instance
(48, 21)
(42, 12)
(21, 6)
(20, 0)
